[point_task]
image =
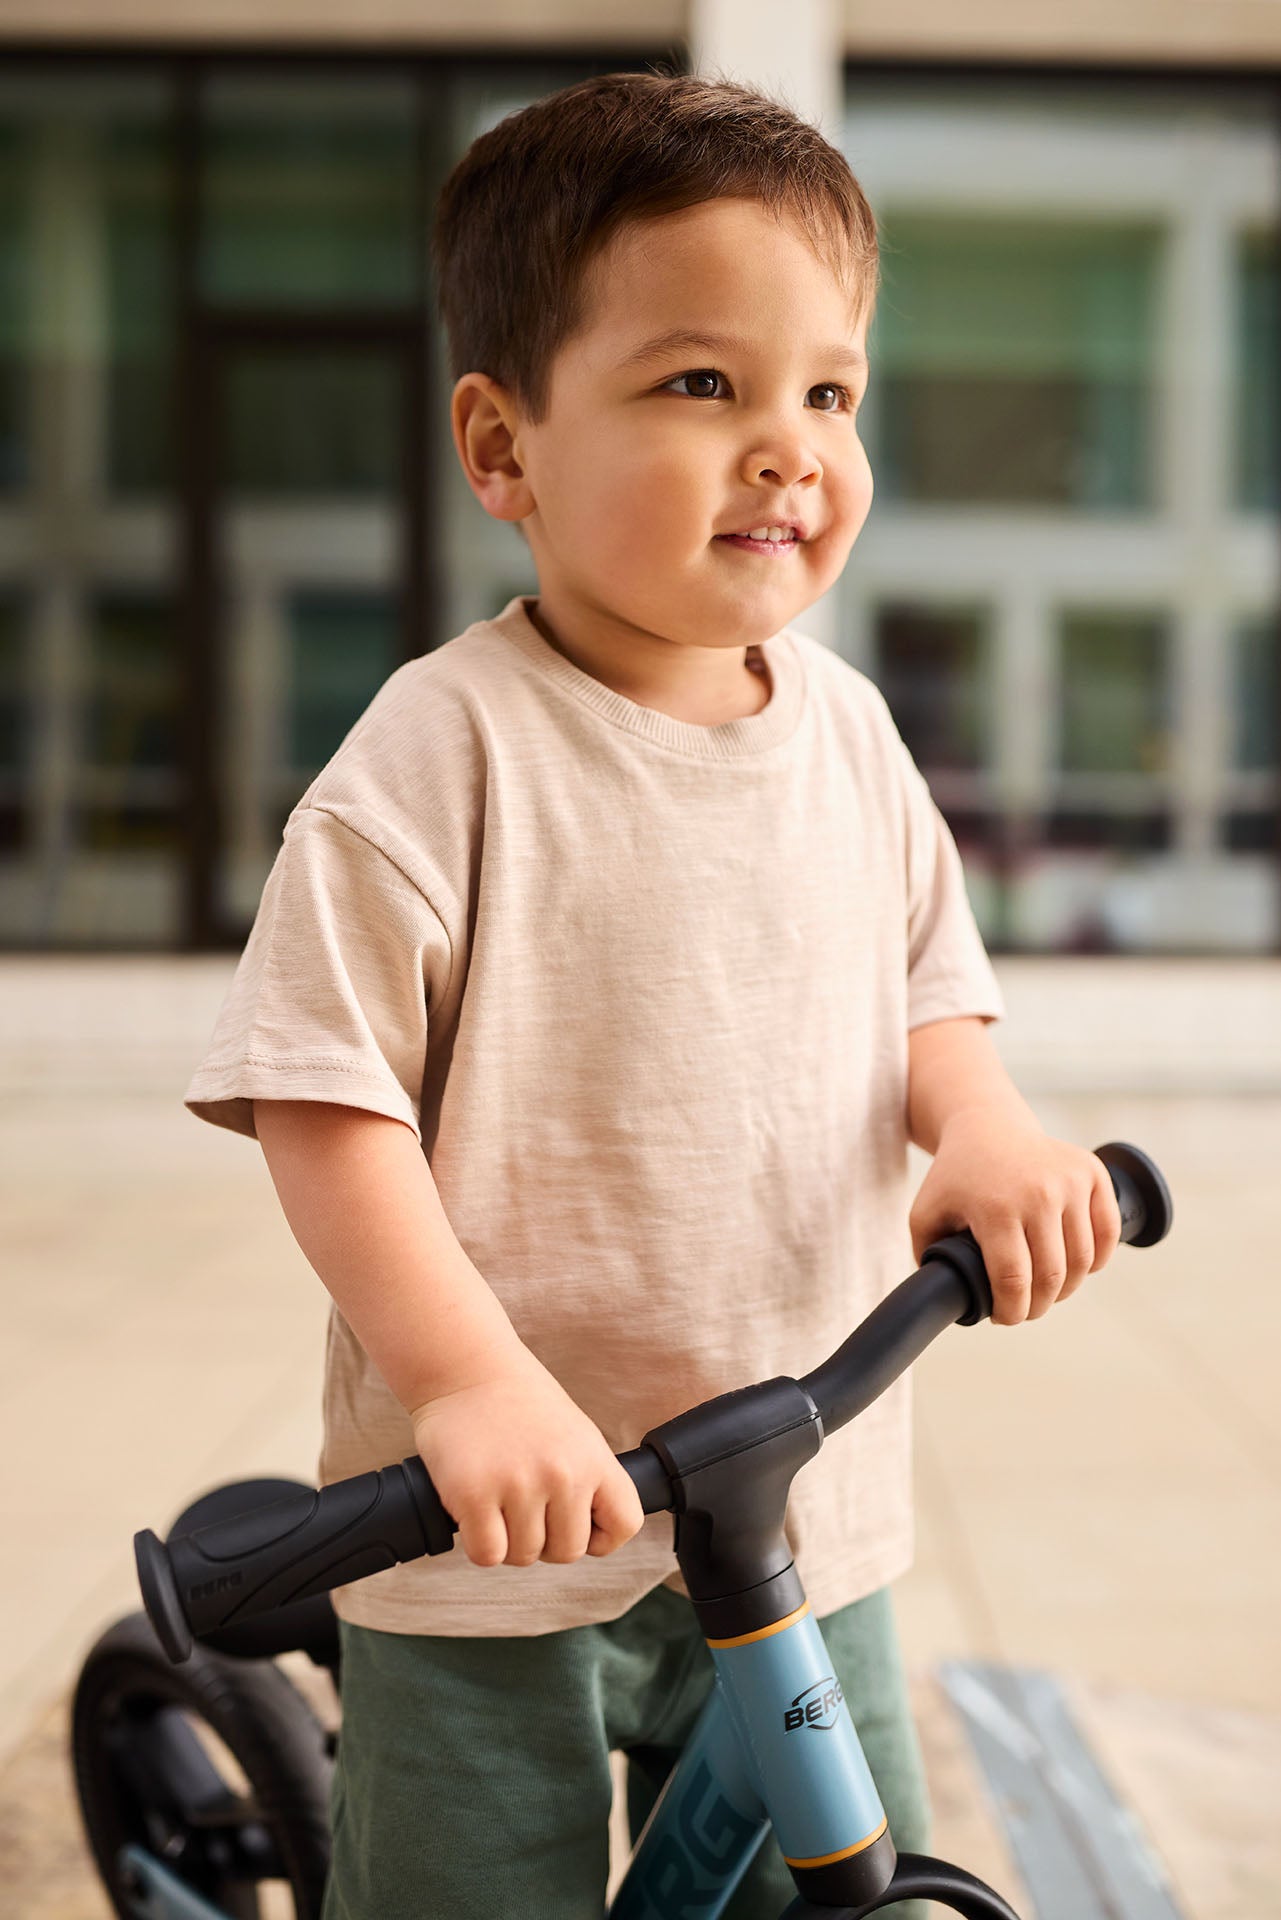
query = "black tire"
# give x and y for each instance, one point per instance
(223, 1815)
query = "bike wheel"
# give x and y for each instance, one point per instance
(217, 1768)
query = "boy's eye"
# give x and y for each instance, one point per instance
(700, 383)
(832, 398)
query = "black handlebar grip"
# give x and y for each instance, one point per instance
(1147, 1211)
(301, 1545)
(1147, 1214)
(649, 1477)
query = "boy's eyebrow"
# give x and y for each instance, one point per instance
(665, 343)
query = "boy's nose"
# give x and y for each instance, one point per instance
(788, 463)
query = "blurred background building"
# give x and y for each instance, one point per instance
(229, 502)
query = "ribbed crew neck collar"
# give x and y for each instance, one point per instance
(727, 740)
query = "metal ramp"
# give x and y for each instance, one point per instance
(1082, 1854)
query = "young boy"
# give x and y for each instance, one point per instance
(600, 982)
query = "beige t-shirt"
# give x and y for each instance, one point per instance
(643, 989)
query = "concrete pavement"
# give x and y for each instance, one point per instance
(1099, 1493)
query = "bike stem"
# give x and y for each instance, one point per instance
(730, 1464)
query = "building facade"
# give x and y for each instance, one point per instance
(229, 503)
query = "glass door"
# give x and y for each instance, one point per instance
(302, 579)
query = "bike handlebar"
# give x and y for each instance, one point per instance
(198, 1583)
(951, 1287)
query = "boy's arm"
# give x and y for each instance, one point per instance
(517, 1464)
(1043, 1211)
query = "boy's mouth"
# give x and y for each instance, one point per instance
(763, 540)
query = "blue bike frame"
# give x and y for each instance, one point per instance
(773, 1746)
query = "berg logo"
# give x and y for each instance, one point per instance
(819, 1706)
(223, 1583)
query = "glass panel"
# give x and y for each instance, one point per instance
(310, 547)
(131, 716)
(15, 309)
(1252, 824)
(130, 785)
(136, 170)
(932, 667)
(1258, 370)
(1116, 696)
(1256, 745)
(312, 422)
(90, 816)
(309, 191)
(1012, 359)
(1252, 830)
(342, 646)
(1080, 827)
(14, 735)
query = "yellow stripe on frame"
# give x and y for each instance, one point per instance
(763, 1633)
(826, 1859)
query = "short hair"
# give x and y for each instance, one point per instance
(536, 199)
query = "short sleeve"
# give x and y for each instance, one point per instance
(330, 998)
(949, 973)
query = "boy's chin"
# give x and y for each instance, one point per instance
(746, 620)
(696, 614)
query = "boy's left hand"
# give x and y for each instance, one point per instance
(1043, 1212)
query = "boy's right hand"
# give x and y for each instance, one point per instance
(523, 1471)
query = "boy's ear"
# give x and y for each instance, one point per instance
(482, 416)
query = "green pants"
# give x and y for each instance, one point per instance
(473, 1778)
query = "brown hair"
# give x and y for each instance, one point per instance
(535, 200)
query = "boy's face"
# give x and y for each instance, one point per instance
(644, 463)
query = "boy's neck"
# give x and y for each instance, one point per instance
(715, 687)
